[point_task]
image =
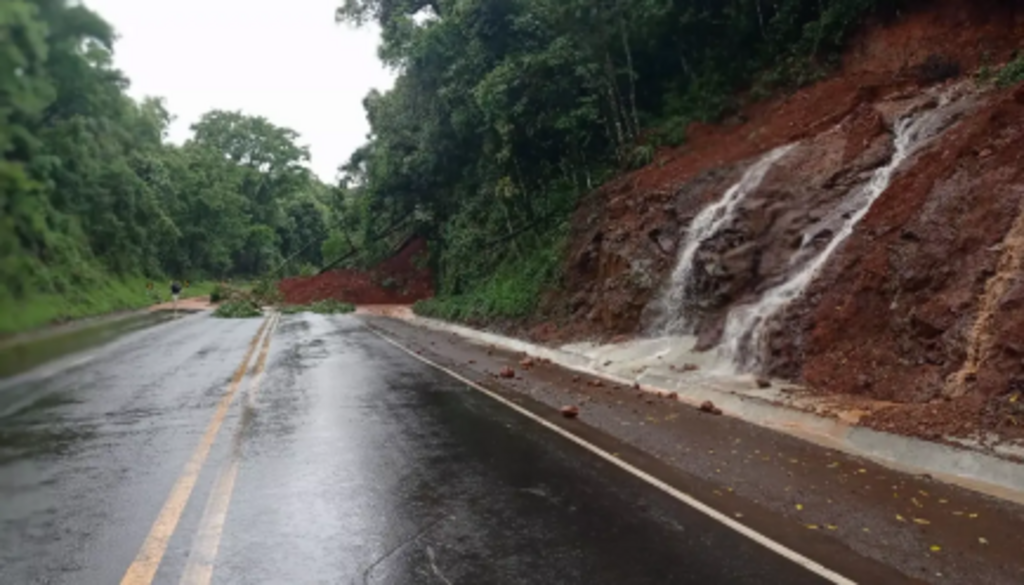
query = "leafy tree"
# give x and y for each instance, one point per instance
(91, 192)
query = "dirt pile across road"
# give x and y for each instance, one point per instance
(402, 279)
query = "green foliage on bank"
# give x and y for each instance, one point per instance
(1012, 73)
(512, 292)
(326, 307)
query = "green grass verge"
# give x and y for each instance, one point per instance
(513, 292)
(328, 307)
(18, 315)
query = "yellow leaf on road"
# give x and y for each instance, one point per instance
(799, 506)
(921, 521)
(936, 548)
(812, 526)
(900, 518)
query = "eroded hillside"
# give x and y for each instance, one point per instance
(863, 236)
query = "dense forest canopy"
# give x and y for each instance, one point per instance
(90, 190)
(506, 111)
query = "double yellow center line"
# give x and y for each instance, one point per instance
(143, 569)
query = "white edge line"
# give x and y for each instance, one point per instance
(743, 529)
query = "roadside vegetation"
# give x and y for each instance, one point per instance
(511, 293)
(107, 296)
(328, 307)
(95, 202)
(506, 112)
(1012, 73)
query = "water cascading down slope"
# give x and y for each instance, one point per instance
(670, 309)
(743, 344)
(747, 327)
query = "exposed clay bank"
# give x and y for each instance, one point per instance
(879, 257)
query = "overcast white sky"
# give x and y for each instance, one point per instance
(287, 61)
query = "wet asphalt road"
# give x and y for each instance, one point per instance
(348, 461)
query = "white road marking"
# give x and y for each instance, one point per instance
(778, 548)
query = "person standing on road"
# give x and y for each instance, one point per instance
(175, 291)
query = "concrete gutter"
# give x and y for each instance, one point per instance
(979, 471)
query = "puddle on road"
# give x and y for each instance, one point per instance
(20, 358)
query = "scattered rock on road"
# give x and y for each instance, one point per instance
(764, 383)
(507, 373)
(691, 368)
(570, 411)
(710, 408)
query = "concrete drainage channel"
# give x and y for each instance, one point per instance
(981, 472)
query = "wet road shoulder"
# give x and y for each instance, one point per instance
(865, 521)
(809, 551)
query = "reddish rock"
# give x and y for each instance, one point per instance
(526, 362)
(507, 373)
(763, 383)
(570, 411)
(691, 368)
